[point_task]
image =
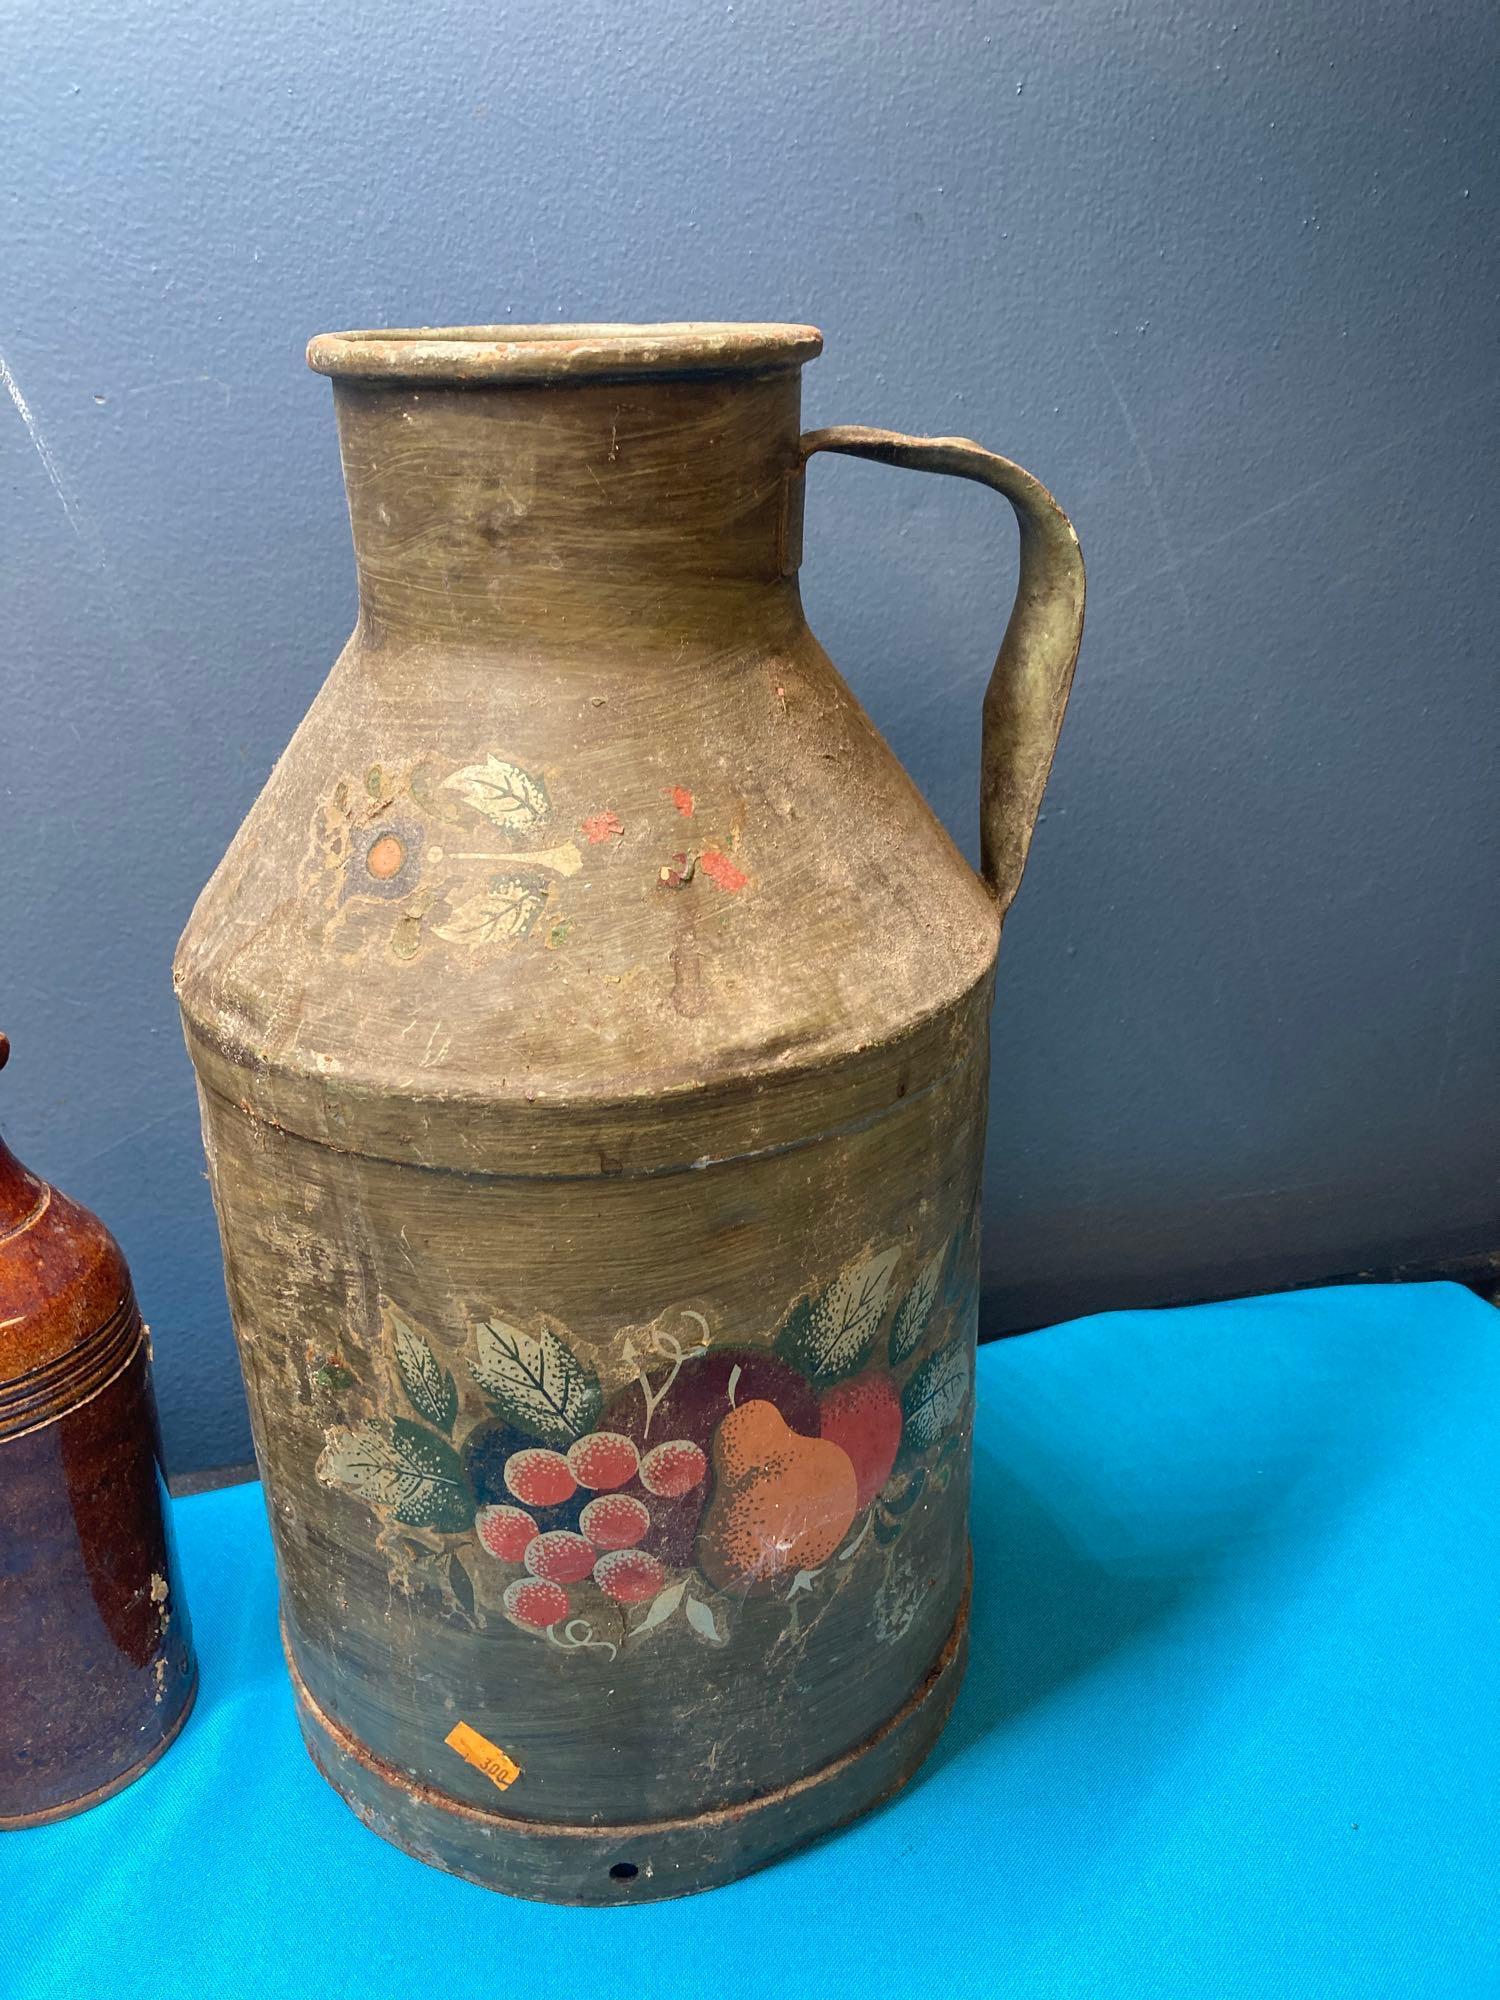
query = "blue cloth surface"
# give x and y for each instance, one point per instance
(1230, 1726)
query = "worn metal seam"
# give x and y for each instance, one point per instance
(704, 1164)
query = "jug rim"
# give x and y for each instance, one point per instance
(573, 351)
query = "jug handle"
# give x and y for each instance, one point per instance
(1028, 690)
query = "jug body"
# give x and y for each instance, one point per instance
(96, 1653)
(590, 1022)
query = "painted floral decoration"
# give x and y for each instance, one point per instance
(385, 859)
(473, 857)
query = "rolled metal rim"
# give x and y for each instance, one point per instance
(550, 353)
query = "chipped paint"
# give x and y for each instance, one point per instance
(678, 872)
(721, 871)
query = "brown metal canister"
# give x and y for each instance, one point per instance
(590, 1021)
(97, 1673)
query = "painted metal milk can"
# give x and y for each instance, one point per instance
(590, 1021)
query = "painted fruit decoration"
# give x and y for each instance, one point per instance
(863, 1417)
(781, 1502)
(673, 1414)
(712, 1475)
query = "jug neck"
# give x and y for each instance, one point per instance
(21, 1193)
(489, 511)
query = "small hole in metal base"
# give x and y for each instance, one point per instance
(624, 1871)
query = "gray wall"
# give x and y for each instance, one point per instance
(1225, 278)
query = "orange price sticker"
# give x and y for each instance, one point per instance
(485, 1756)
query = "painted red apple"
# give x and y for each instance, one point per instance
(864, 1417)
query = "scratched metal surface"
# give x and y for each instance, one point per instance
(1226, 284)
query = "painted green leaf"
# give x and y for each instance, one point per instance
(417, 1476)
(934, 1397)
(700, 1616)
(829, 1335)
(501, 914)
(536, 1382)
(362, 1460)
(430, 1389)
(915, 1308)
(503, 792)
(662, 1606)
(436, 1492)
(461, 1583)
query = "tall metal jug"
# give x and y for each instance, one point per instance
(590, 1021)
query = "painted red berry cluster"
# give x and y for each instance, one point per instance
(605, 1545)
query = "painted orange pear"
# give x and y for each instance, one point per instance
(781, 1502)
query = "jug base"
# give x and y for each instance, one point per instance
(86, 1801)
(653, 1860)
